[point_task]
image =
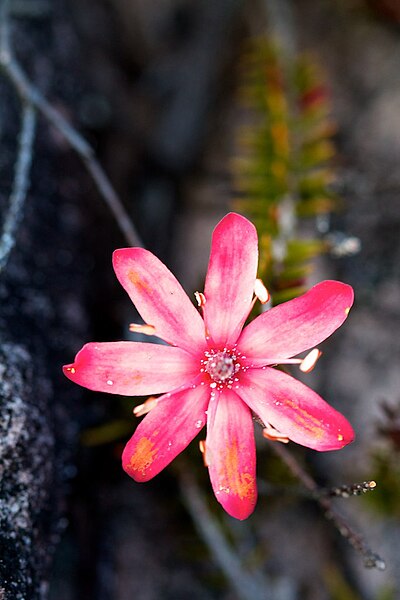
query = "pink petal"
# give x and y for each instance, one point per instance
(165, 432)
(230, 453)
(297, 325)
(131, 368)
(294, 409)
(159, 298)
(230, 278)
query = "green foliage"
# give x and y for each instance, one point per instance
(337, 585)
(385, 462)
(106, 433)
(283, 172)
(386, 469)
(340, 589)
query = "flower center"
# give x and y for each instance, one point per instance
(220, 365)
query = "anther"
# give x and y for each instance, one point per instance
(261, 291)
(202, 446)
(270, 433)
(143, 409)
(200, 299)
(144, 329)
(309, 362)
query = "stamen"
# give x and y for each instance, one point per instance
(143, 328)
(309, 362)
(202, 446)
(270, 433)
(143, 409)
(287, 361)
(261, 292)
(200, 299)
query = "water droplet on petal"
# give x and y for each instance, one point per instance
(198, 424)
(110, 382)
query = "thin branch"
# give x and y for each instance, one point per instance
(33, 97)
(371, 559)
(248, 586)
(20, 185)
(345, 491)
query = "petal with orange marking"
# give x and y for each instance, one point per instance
(294, 409)
(159, 298)
(230, 452)
(131, 368)
(165, 432)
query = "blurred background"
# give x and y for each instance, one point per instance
(287, 112)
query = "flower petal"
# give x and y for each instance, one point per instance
(131, 368)
(230, 454)
(297, 325)
(159, 298)
(230, 278)
(294, 409)
(165, 432)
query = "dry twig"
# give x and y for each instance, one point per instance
(370, 558)
(20, 185)
(33, 98)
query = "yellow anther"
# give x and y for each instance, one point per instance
(270, 433)
(143, 409)
(309, 362)
(347, 310)
(144, 329)
(202, 446)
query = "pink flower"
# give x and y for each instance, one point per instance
(213, 371)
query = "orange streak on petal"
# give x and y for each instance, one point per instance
(143, 457)
(303, 418)
(137, 281)
(233, 478)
